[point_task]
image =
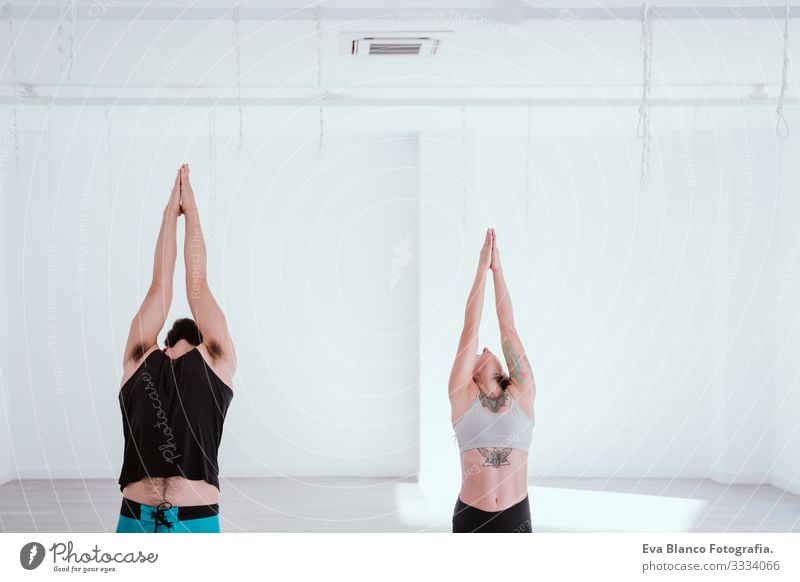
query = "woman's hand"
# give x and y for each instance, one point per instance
(485, 260)
(187, 194)
(174, 203)
(495, 264)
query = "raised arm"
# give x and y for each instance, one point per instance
(153, 312)
(206, 312)
(519, 368)
(461, 373)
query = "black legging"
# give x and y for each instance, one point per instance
(514, 519)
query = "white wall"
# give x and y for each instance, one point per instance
(301, 252)
(783, 316)
(743, 415)
(660, 324)
(642, 313)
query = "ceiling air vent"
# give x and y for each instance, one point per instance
(389, 44)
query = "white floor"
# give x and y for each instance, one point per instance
(379, 505)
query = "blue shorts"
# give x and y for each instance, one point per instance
(139, 518)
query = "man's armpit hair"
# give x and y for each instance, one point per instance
(214, 349)
(137, 351)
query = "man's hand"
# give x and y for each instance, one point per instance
(187, 194)
(174, 202)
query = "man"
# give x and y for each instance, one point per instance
(174, 400)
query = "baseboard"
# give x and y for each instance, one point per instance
(787, 484)
(229, 473)
(66, 473)
(689, 472)
(738, 478)
(722, 477)
(243, 472)
(6, 476)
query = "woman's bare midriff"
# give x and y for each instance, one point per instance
(178, 491)
(494, 484)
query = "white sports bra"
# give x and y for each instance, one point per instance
(479, 428)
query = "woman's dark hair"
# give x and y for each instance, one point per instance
(184, 328)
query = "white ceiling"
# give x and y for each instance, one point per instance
(485, 55)
(350, 8)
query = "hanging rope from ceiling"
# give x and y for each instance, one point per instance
(321, 134)
(69, 9)
(212, 162)
(60, 28)
(464, 162)
(50, 150)
(528, 165)
(109, 167)
(237, 21)
(7, 15)
(781, 118)
(643, 127)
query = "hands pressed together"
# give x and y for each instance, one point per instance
(181, 197)
(490, 253)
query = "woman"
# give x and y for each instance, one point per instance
(174, 401)
(492, 414)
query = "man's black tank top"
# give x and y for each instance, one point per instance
(172, 417)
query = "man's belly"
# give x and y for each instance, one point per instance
(176, 490)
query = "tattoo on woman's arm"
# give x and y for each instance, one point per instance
(520, 372)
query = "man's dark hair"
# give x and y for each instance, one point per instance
(184, 328)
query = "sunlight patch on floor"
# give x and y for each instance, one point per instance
(429, 506)
(578, 510)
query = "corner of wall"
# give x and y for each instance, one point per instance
(6, 472)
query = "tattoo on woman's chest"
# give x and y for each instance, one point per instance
(493, 403)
